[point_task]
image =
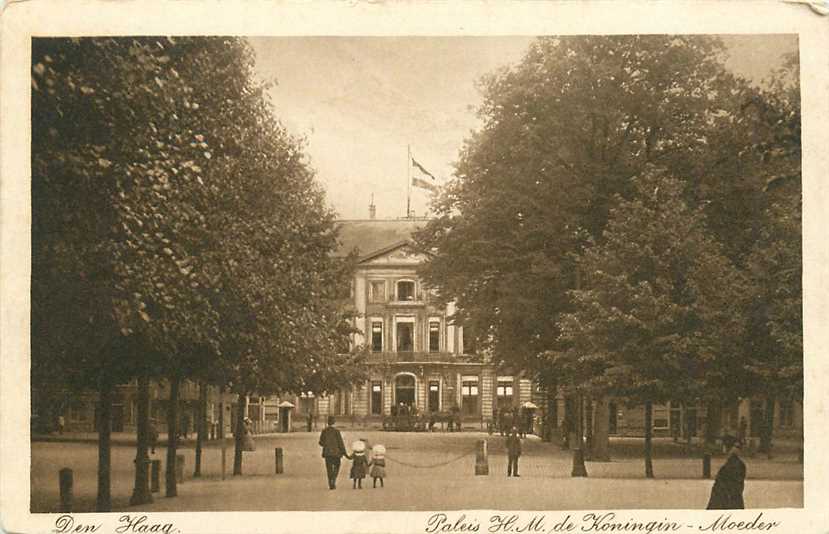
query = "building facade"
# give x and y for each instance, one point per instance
(418, 357)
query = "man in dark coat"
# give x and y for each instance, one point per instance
(727, 493)
(333, 449)
(513, 443)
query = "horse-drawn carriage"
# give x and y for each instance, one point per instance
(422, 422)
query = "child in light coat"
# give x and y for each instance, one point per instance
(378, 464)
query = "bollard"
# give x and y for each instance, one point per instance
(65, 478)
(706, 465)
(224, 458)
(180, 468)
(277, 452)
(155, 475)
(481, 460)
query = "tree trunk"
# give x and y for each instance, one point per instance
(172, 437)
(239, 433)
(601, 435)
(201, 426)
(648, 439)
(221, 432)
(768, 427)
(579, 469)
(141, 491)
(713, 422)
(104, 500)
(551, 417)
(588, 423)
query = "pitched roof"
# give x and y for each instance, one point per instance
(369, 236)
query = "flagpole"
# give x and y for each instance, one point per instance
(408, 181)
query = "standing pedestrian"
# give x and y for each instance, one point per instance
(247, 435)
(513, 443)
(727, 492)
(61, 424)
(741, 430)
(310, 423)
(333, 449)
(185, 424)
(378, 464)
(152, 432)
(359, 463)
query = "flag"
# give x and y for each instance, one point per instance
(420, 182)
(419, 167)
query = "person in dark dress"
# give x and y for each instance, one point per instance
(359, 463)
(333, 449)
(727, 493)
(513, 444)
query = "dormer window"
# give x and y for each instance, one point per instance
(405, 290)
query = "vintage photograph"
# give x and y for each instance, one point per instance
(416, 273)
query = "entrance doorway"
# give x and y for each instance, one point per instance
(404, 390)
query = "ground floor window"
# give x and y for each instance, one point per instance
(434, 395)
(469, 395)
(503, 393)
(660, 416)
(376, 397)
(787, 413)
(341, 403)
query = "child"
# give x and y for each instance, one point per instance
(359, 463)
(378, 464)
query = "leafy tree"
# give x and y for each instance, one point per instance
(178, 230)
(775, 336)
(564, 131)
(660, 318)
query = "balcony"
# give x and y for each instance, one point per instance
(422, 357)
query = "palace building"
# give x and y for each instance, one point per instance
(418, 356)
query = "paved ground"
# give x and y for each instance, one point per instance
(426, 472)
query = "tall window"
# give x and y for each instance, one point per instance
(405, 337)
(377, 291)
(468, 340)
(376, 336)
(469, 395)
(376, 397)
(434, 336)
(405, 290)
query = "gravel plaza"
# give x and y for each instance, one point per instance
(425, 472)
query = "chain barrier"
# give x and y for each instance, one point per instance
(431, 466)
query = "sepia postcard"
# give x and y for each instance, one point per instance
(441, 267)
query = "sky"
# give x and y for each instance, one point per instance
(361, 101)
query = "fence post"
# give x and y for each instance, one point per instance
(224, 458)
(155, 472)
(706, 465)
(481, 460)
(180, 468)
(278, 460)
(65, 478)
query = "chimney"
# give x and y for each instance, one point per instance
(372, 209)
